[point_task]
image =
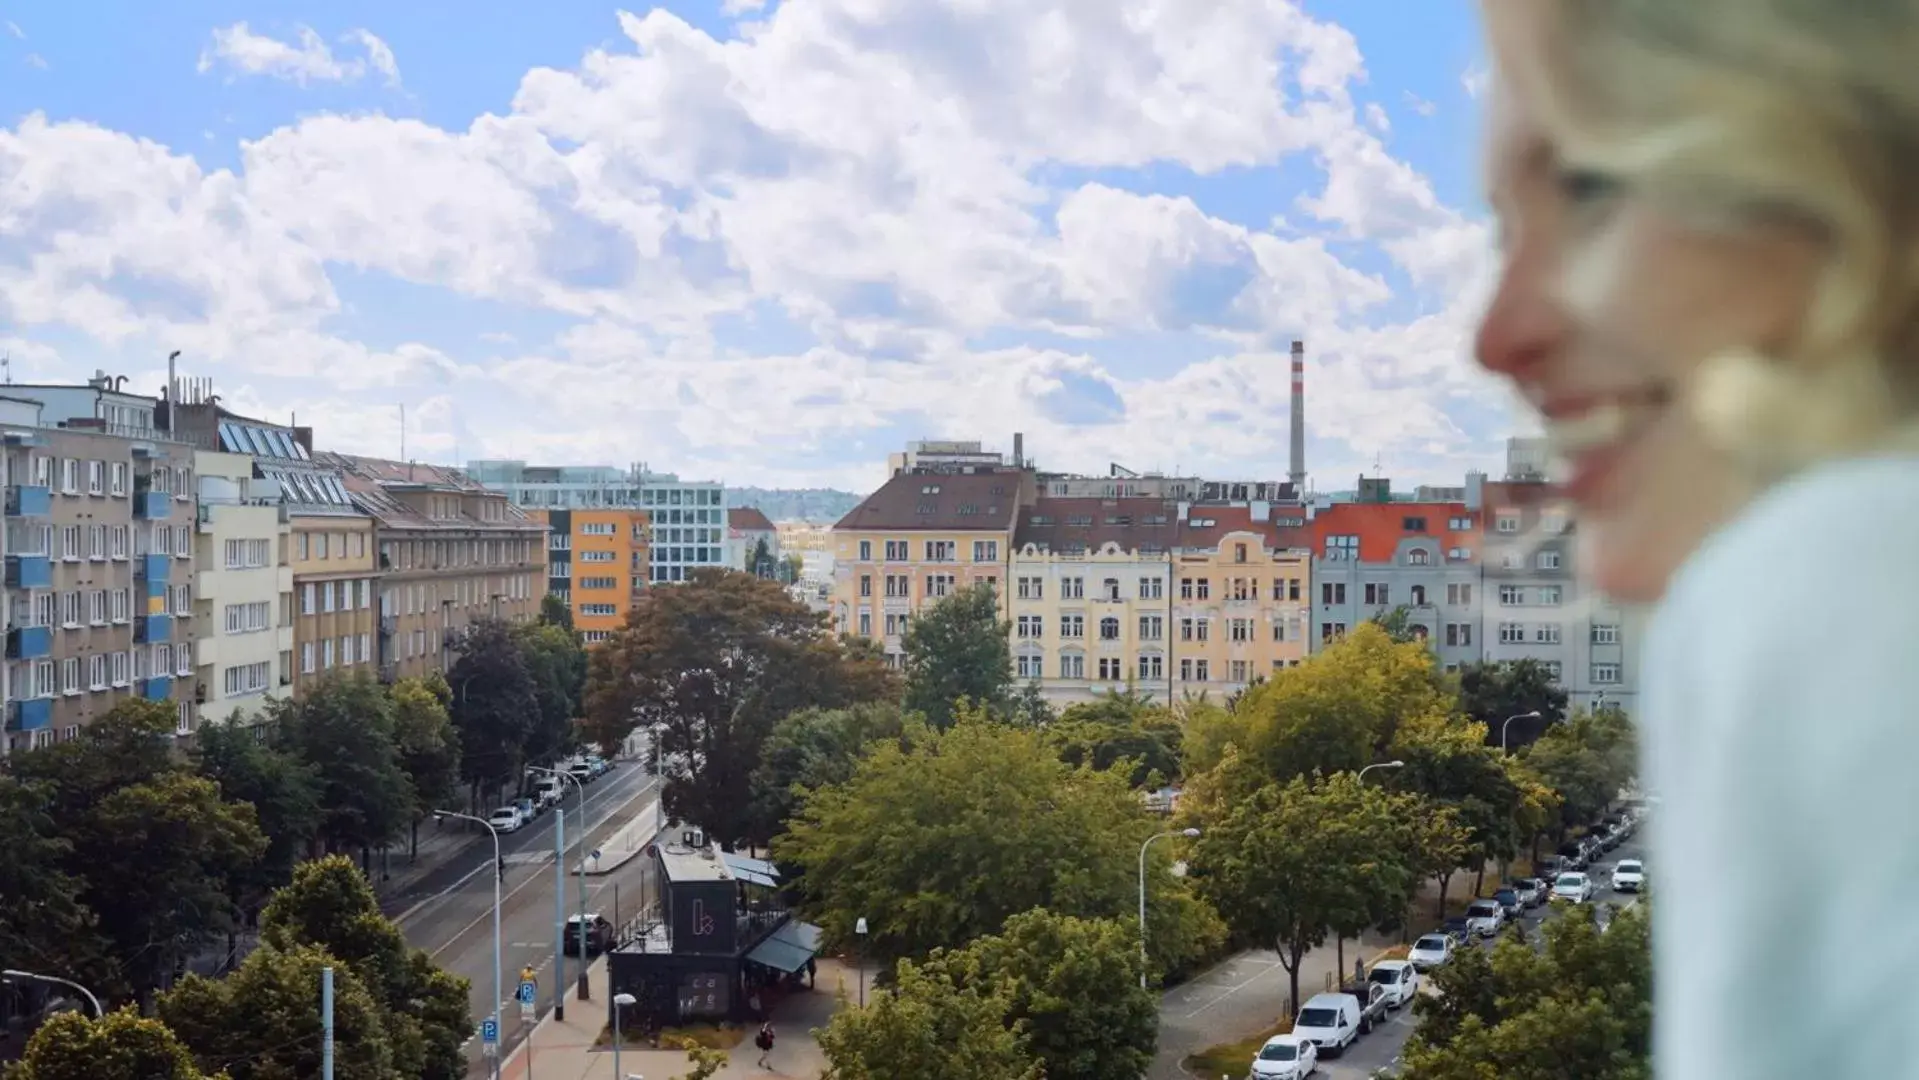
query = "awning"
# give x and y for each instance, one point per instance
(757, 871)
(788, 948)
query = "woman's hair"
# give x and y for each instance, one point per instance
(1740, 111)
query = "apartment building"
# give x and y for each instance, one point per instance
(449, 551)
(598, 562)
(747, 527)
(1374, 556)
(687, 517)
(918, 539)
(243, 591)
(1240, 583)
(99, 547)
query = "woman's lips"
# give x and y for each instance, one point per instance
(1591, 434)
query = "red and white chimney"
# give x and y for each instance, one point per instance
(1298, 472)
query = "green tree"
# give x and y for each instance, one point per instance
(283, 790)
(1120, 728)
(925, 1026)
(792, 566)
(495, 707)
(1399, 625)
(1494, 691)
(1448, 761)
(427, 747)
(131, 743)
(122, 1045)
(556, 662)
(330, 906)
(1581, 1006)
(1029, 706)
(940, 841)
(1074, 986)
(762, 563)
(712, 665)
(1586, 761)
(555, 612)
(342, 727)
(1294, 861)
(810, 749)
(959, 648)
(43, 924)
(262, 1021)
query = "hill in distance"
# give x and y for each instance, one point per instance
(819, 506)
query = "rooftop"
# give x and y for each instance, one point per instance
(749, 518)
(959, 502)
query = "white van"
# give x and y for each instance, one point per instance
(1331, 1021)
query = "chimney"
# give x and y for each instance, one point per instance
(1298, 472)
(1019, 450)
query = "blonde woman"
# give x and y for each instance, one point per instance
(1709, 215)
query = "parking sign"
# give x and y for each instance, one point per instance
(490, 1037)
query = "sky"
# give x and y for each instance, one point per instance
(765, 242)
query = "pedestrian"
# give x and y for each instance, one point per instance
(765, 1042)
(812, 970)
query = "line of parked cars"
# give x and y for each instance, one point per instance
(544, 791)
(1329, 1023)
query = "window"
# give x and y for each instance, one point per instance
(940, 551)
(939, 585)
(97, 607)
(896, 551)
(1512, 633)
(1606, 674)
(120, 605)
(1418, 557)
(1031, 588)
(897, 585)
(366, 594)
(1511, 560)
(599, 583)
(183, 660)
(248, 554)
(117, 479)
(1459, 634)
(1459, 593)
(97, 542)
(162, 540)
(70, 479)
(243, 679)
(1507, 523)
(1152, 627)
(1549, 560)
(1029, 665)
(117, 537)
(1109, 668)
(866, 624)
(1109, 628)
(1151, 666)
(1072, 666)
(1376, 594)
(1030, 626)
(1109, 589)
(1549, 595)
(1279, 628)
(1237, 671)
(1202, 671)
(70, 543)
(1511, 595)
(1072, 626)
(248, 618)
(70, 675)
(97, 671)
(1332, 592)
(1191, 629)
(70, 609)
(1605, 634)
(1240, 629)
(346, 649)
(162, 659)
(96, 477)
(866, 585)
(986, 551)
(1241, 589)
(1546, 634)
(866, 551)
(1459, 524)
(1152, 588)
(1072, 588)
(1342, 549)
(598, 556)
(319, 545)
(120, 669)
(326, 653)
(182, 599)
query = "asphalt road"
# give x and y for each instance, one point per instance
(450, 912)
(1381, 1049)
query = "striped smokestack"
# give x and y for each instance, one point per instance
(1298, 473)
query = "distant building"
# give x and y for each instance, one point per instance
(243, 591)
(687, 517)
(746, 529)
(597, 563)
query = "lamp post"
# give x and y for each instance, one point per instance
(859, 928)
(30, 976)
(1534, 715)
(579, 825)
(1380, 765)
(494, 1014)
(620, 1001)
(1189, 834)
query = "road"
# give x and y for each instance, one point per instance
(451, 910)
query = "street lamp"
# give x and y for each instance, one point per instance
(494, 1016)
(1534, 715)
(1189, 834)
(582, 827)
(859, 927)
(29, 976)
(620, 1001)
(1380, 765)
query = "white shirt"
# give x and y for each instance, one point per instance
(1780, 731)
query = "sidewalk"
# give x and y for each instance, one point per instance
(626, 844)
(438, 843)
(566, 1050)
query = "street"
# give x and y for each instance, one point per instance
(1242, 995)
(451, 912)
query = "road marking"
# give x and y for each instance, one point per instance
(1230, 991)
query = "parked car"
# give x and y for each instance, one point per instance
(1574, 888)
(1374, 1004)
(1485, 917)
(1628, 876)
(1431, 951)
(1457, 929)
(1330, 1021)
(1286, 1057)
(1530, 891)
(598, 934)
(1509, 902)
(1399, 977)
(1573, 857)
(506, 819)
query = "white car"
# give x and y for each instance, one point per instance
(1286, 1057)
(1400, 979)
(1431, 951)
(1573, 888)
(1329, 1020)
(1485, 917)
(506, 819)
(1629, 875)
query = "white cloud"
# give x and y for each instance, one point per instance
(1476, 80)
(311, 60)
(1420, 105)
(14, 29)
(880, 181)
(36, 60)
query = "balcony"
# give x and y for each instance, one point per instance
(29, 572)
(29, 642)
(152, 629)
(29, 500)
(158, 688)
(35, 714)
(388, 624)
(155, 568)
(151, 505)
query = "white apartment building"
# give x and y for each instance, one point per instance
(687, 517)
(243, 585)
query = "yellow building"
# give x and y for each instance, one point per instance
(919, 538)
(1241, 595)
(598, 562)
(334, 575)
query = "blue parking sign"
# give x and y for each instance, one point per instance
(527, 992)
(490, 1030)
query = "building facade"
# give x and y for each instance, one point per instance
(1373, 557)
(1240, 587)
(598, 563)
(449, 551)
(917, 540)
(747, 527)
(687, 517)
(243, 590)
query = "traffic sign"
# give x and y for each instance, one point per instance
(596, 854)
(490, 1037)
(528, 990)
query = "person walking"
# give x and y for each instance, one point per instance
(764, 1040)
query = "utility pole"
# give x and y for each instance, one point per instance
(326, 1023)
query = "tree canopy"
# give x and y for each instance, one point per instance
(924, 1026)
(556, 663)
(1494, 691)
(343, 727)
(1587, 760)
(1120, 728)
(495, 707)
(958, 648)
(261, 1022)
(712, 665)
(123, 1045)
(810, 749)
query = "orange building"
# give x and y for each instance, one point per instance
(597, 562)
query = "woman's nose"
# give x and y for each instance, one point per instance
(1522, 327)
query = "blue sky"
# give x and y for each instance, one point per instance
(766, 243)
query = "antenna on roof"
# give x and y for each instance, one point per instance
(402, 431)
(6, 367)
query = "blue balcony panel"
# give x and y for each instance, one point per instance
(153, 629)
(152, 505)
(34, 714)
(158, 688)
(29, 500)
(29, 642)
(155, 567)
(29, 572)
